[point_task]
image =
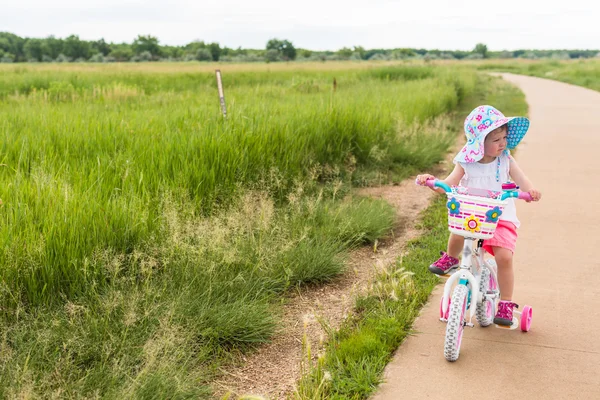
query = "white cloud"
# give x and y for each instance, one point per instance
(316, 24)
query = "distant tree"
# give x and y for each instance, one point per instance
(121, 54)
(12, 44)
(474, 56)
(62, 58)
(285, 48)
(193, 47)
(459, 55)
(360, 50)
(378, 57)
(273, 55)
(144, 56)
(288, 51)
(355, 56)
(530, 55)
(578, 54)
(172, 52)
(146, 43)
(204, 55)
(370, 53)
(305, 53)
(274, 44)
(447, 56)
(345, 52)
(560, 55)
(482, 49)
(34, 49)
(75, 48)
(100, 46)
(97, 58)
(215, 51)
(403, 53)
(52, 47)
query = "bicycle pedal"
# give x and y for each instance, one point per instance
(514, 325)
(509, 327)
(469, 324)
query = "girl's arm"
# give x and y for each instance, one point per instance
(517, 175)
(453, 179)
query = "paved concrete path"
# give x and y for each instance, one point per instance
(557, 267)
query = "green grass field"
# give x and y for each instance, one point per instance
(145, 238)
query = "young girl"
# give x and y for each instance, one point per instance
(485, 163)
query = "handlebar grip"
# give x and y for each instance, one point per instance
(517, 195)
(433, 183)
(525, 196)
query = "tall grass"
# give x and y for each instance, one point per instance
(145, 238)
(86, 158)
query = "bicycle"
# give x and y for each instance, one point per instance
(473, 214)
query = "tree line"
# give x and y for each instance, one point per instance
(14, 48)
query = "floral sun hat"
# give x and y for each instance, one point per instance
(482, 121)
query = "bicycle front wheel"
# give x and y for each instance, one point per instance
(456, 325)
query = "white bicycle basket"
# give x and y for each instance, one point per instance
(473, 216)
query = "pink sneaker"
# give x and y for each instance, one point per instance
(444, 264)
(504, 316)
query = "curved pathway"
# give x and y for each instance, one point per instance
(557, 267)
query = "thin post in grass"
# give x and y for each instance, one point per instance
(221, 94)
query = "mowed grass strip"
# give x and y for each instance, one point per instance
(583, 72)
(146, 239)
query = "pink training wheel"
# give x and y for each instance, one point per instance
(526, 316)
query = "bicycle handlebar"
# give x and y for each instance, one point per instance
(433, 183)
(517, 195)
(436, 183)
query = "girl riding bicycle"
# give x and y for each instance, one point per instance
(485, 163)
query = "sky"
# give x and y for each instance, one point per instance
(316, 24)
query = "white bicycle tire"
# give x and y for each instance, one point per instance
(455, 325)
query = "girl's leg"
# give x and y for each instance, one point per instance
(448, 262)
(455, 245)
(506, 276)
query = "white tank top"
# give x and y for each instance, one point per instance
(491, 176)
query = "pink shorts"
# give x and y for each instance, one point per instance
(505, 237)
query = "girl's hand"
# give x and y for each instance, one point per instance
(424, 178)
(536, 195)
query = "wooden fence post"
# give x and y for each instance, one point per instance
(221, 94)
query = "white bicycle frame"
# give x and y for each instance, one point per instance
(470, 273)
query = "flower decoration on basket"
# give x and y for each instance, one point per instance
(493, 214)
(472, 224)
(453, 206)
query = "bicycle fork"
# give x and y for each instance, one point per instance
(464, 277)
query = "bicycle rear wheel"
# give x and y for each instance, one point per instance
(485, 310)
